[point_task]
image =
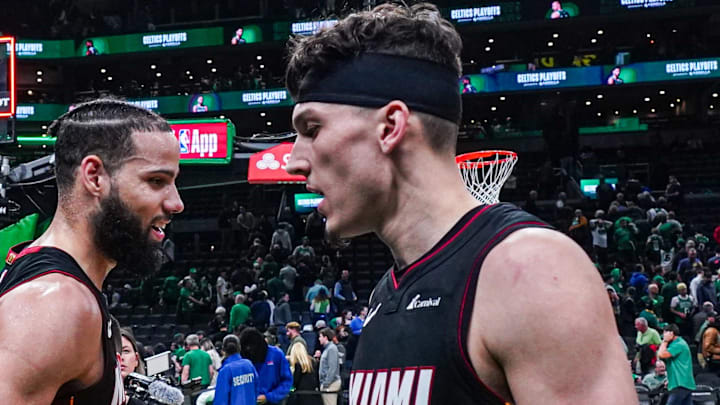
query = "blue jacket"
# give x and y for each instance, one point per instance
(274, 376)
(237, 383)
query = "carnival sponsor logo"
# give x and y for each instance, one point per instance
(417, 303)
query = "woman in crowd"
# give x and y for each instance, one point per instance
(207, 345)
(130, 360)
(305, 376)
(320, 306)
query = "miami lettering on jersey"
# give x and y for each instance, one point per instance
(406, 386)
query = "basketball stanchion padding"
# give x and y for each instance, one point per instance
(485, 172)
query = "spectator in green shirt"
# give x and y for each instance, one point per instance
(170, 290)
(657, 378)
(196, 363)
(653, 297)
(646, 337)
(187, 303)
(676, 353)
(239, 313)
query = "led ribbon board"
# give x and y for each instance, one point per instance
(43, 49)
(531, 80)
(708, 68)
(152, 41)
(305, 202)
(204, 142)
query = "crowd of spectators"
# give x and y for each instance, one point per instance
(662, 276)
(289, 301)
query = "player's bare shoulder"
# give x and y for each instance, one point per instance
(539, 303)
(52, 308)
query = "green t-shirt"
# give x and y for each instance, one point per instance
(679, 366)
(650, 318)
(199, 361)
(650, 337)
(654, 381)
(239, 314)
(321, 307)
(179, 352)
(170, 288)
(185, 304)
(623, 238)
(658, 302)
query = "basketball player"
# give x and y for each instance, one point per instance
(483, 303)
(558, 11)
(614, 77)
(237, 39)
(199, 105)
(116, 166)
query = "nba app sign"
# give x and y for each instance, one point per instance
(204, 142)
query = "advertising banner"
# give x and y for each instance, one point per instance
(204, 141)
(151, 41)
(268, 166)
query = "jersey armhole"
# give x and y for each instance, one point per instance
(468, 298)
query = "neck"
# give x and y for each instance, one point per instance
(411, 229)
(75, 238)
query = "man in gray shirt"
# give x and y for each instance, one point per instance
(329, 367)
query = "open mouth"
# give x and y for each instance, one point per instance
(158, 231)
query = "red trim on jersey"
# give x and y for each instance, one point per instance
(45, 274)
(439, 249)
(12, 255)
(484, 250)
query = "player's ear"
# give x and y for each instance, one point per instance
(394, 123)
(93, 176)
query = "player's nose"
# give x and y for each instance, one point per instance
(299, 163)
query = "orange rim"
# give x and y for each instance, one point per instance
(466, 160)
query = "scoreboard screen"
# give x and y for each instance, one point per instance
(7, 89)
(7, 77)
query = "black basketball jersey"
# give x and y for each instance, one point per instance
(413, 346)
(26, 264)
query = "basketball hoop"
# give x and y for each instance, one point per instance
(485, 172)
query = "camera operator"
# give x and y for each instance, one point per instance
(142, 390)
(130, 362)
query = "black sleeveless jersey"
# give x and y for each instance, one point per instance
(26, 264)
(413, 346)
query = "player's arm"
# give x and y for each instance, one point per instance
(50, 333)
(542, 319)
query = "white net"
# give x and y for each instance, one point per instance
(484, 173)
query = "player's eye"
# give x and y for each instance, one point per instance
(312, 131)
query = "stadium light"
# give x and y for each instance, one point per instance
(550, 44)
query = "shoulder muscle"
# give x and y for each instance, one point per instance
(50, 329)
(540, 305)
